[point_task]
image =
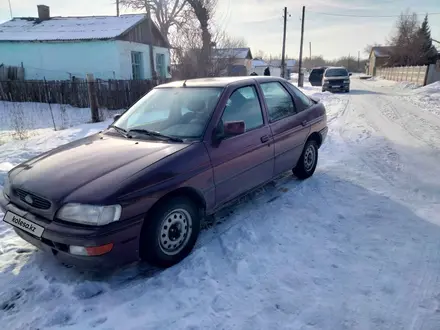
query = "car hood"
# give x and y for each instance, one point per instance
(337, 78)
(60, 172)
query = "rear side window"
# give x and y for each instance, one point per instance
(279, 101)
(301, 97)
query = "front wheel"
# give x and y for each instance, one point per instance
(307, 162)
(169, 235)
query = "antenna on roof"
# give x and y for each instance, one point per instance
(184, 83)
(10, 8)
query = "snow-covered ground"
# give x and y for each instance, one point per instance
(21, 120)
(357, 246)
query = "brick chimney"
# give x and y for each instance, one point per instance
(43, 12)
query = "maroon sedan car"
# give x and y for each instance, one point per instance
(140, 188)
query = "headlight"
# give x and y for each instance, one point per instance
(90, 214)
(6, 186)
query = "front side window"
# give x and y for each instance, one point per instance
(279, 101)
(181, 112)
(243, 105)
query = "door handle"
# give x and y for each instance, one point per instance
(304, 122)
(264, 139)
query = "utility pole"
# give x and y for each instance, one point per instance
(10, 9)
(283, 53)
(348, 62)
(117, 8)
(300, 75)
(310, 50)
(359, 61)
(150, 34)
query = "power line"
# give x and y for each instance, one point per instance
(367, 16)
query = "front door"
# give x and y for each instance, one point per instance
(245, 161)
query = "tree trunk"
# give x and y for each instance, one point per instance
(202, 14)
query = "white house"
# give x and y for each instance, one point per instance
(60, 48)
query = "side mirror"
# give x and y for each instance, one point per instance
(228, 129)
(232, 128)
(350, 74)
(116, 117)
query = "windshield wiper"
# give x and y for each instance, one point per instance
(154, 133)
(120, 130)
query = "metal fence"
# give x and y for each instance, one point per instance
(111, 94)
(414, 74)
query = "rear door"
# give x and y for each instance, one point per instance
(288, 122)
(315, 77)
(245, 161)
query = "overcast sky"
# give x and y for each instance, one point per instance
(260, 22)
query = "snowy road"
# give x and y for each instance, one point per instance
(355, 247)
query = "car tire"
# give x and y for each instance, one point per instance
(170, 232)
(347, 90)
(307, 162)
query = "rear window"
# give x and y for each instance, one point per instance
(336, 73)
(317, 72)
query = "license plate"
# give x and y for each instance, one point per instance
(23, 224)
(336, 86)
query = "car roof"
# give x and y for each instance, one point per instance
(336, 67)
(219, 81)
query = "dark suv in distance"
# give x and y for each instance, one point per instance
(336, 79)
(140, 188)
(315, 77)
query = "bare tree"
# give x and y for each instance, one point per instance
(369, 47)
(405, 41)
(165, 13)
(204, 11)
(260, 54)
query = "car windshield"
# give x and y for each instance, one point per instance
(336, 73)
(178, 112)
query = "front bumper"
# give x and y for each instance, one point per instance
(337, 88)
(57, 237)
(323, 134)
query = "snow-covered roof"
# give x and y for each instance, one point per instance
(382, 51)
(277, 63)
(257, 63)
(68, 28)
(241, 53)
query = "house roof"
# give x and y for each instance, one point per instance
(277, 63)
(256, 63)
(241, 53)
(382, 51)
(68, 28)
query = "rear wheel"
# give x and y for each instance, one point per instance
(307, 162)
(169, 235)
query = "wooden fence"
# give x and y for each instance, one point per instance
(111, 94)
(414, 74)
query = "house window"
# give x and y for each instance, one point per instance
(160, 65)
(136, 65)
